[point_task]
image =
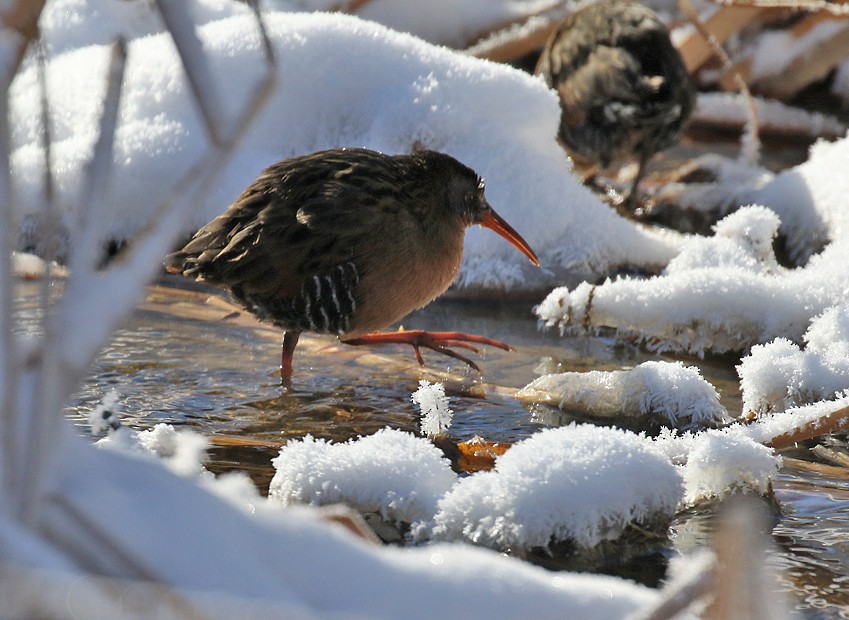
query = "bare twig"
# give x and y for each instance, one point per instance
(20, 17)
(90, 211)
(59, 373)
(179, 23)
(123, 282)
(679, 595)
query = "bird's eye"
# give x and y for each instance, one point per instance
(471, 198)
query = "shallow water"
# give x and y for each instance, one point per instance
(183, 361)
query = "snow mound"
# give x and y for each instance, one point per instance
(779, 374)
(722, 462)
(662, 392)
(391, 472)
(577, 483)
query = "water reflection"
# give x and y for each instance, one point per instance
(813, 542)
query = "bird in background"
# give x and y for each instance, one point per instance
(624, 90)
(347, 242)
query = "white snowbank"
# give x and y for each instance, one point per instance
(380, 89)
(580, 483)
(655, 392)
(392, 472)
(287, 559)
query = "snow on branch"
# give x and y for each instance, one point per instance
(721, 293)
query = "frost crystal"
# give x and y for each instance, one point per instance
(431, 399)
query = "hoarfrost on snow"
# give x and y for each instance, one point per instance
(578, 483)
(779, 374)
(654, 392)
(721, 462)
(392, 472)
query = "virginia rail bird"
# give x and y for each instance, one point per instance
(345, 242)
(624, 91)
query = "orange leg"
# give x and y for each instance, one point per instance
(436, 341)
(290, 341)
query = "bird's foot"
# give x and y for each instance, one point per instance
(435, 341)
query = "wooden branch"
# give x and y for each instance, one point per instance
(831, 423)
(725, 22)
(837, 458)
(807, 69)
(349, 6)
(830, 471)
(836, 7)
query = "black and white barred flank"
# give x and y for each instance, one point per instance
(326, 303)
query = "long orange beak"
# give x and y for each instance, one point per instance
(490, 219)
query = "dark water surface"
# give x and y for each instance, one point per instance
(181, 361)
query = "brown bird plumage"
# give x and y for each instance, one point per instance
(624, 91)
(345, 242)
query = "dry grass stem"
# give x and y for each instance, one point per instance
(20, 17)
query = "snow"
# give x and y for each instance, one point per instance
(723, 107)
(393, 472)
(721, 462)
(779, 374)
(810, 200)
(447, 22)
(577, 483)
(660, 392)
(291, 553)
(442, 22)
(776, 50)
